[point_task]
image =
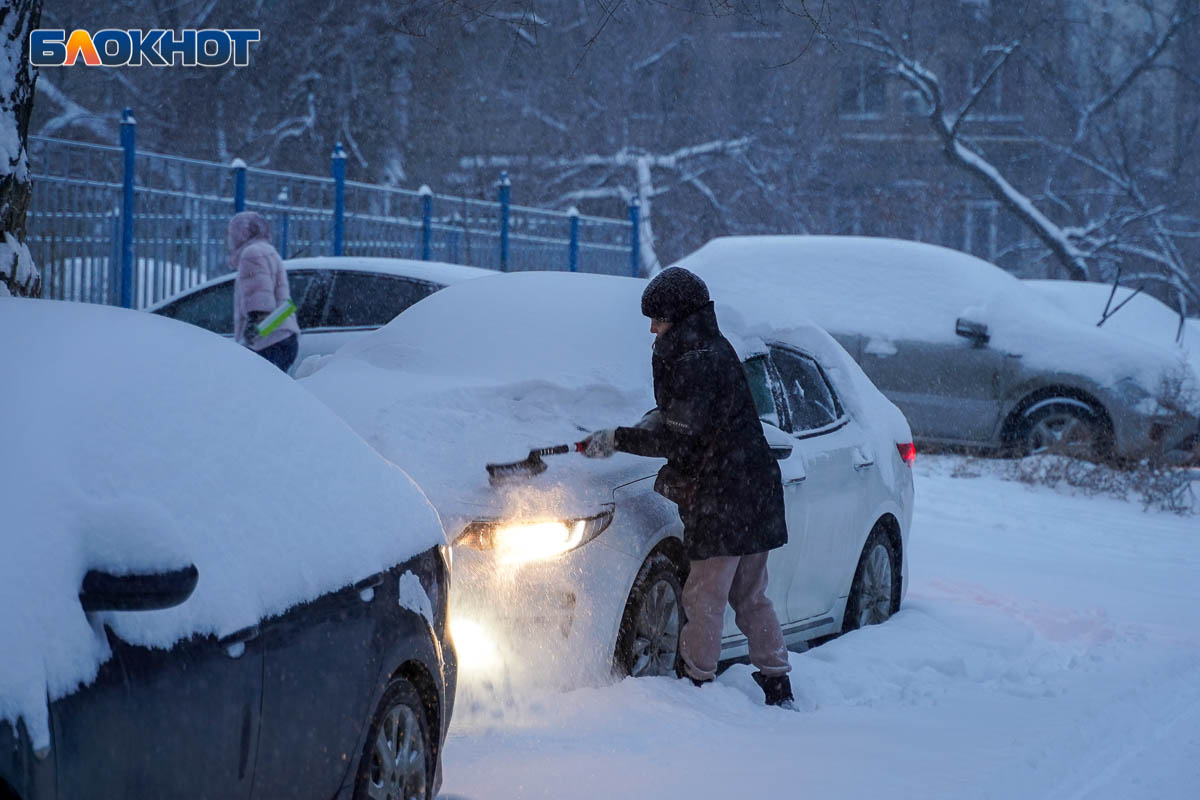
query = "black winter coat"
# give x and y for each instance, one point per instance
(719, 468)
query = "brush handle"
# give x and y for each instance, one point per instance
(559, 449)
(551, 451)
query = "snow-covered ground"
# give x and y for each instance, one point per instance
(1049, 647)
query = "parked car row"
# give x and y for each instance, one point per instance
(251, 597)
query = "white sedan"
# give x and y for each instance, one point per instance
(580, 567)
(338, 298)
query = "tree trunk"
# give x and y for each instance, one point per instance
(18, 18)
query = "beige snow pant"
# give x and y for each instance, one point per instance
(742, 582)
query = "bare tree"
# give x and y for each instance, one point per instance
(630, 173)
(18, 275)
(1121, 220)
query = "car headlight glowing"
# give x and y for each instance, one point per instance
(535, 540)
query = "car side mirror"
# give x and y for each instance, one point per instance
(779, 442)
(103, 591)
(977, 332)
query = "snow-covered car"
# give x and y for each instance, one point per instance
(579, 569)
(1132, 313)
(970, 354)
(338, 298)
(211, 587)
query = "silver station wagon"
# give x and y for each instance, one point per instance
(972, 355)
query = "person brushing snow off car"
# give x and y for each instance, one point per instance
(721, 475)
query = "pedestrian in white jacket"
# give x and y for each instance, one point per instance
(261, 287)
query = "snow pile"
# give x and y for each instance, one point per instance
(483, 371)
(134, 442)
(889, 290)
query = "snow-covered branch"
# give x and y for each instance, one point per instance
(1185, 12)
(1132, 225)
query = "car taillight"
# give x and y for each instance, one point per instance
(908, 452)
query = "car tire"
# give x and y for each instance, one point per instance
(1063, 429)
(398, 759)
(648, 641)
(875, 591)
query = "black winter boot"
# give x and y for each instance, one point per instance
(777, 690)
(681, 672)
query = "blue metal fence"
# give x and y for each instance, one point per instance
(119, 226)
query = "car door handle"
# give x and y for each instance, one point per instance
(859, 466)
(235, 643)
(794, 481)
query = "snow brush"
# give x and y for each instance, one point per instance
(530, 465)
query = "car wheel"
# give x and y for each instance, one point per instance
(1062, 429)
(875, 592)
(648, 641)
(397, 763)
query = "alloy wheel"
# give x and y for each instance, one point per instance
(875, 603)
(397, 770)
(656, 633)
(1062, 433)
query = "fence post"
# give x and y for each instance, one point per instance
(129, 145)
(426, 222)
(282, 200)
(505, 195)
(112, 292)
(635, 208)
(573, 248)
(339, 196)
(239, 185)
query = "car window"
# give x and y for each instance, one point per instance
(309, 290)
(761, 389)
(363, 300)
(811, 401)
(210, 308)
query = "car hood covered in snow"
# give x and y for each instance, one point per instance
(890, 290)
(486, 370)
(1142, 317)
(138, 443)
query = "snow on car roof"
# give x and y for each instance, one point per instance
(483, 371)
(891, 289)
(858, 284)
(433, 271)
(139, 442)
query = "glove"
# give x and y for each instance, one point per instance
(250, 333)
(600, 444)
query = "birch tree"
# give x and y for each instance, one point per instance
(18, 275)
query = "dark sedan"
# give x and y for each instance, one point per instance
(343, 696)
(210, 587)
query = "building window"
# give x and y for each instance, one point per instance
(863, 92)
(979, 237)
(1001, 101)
